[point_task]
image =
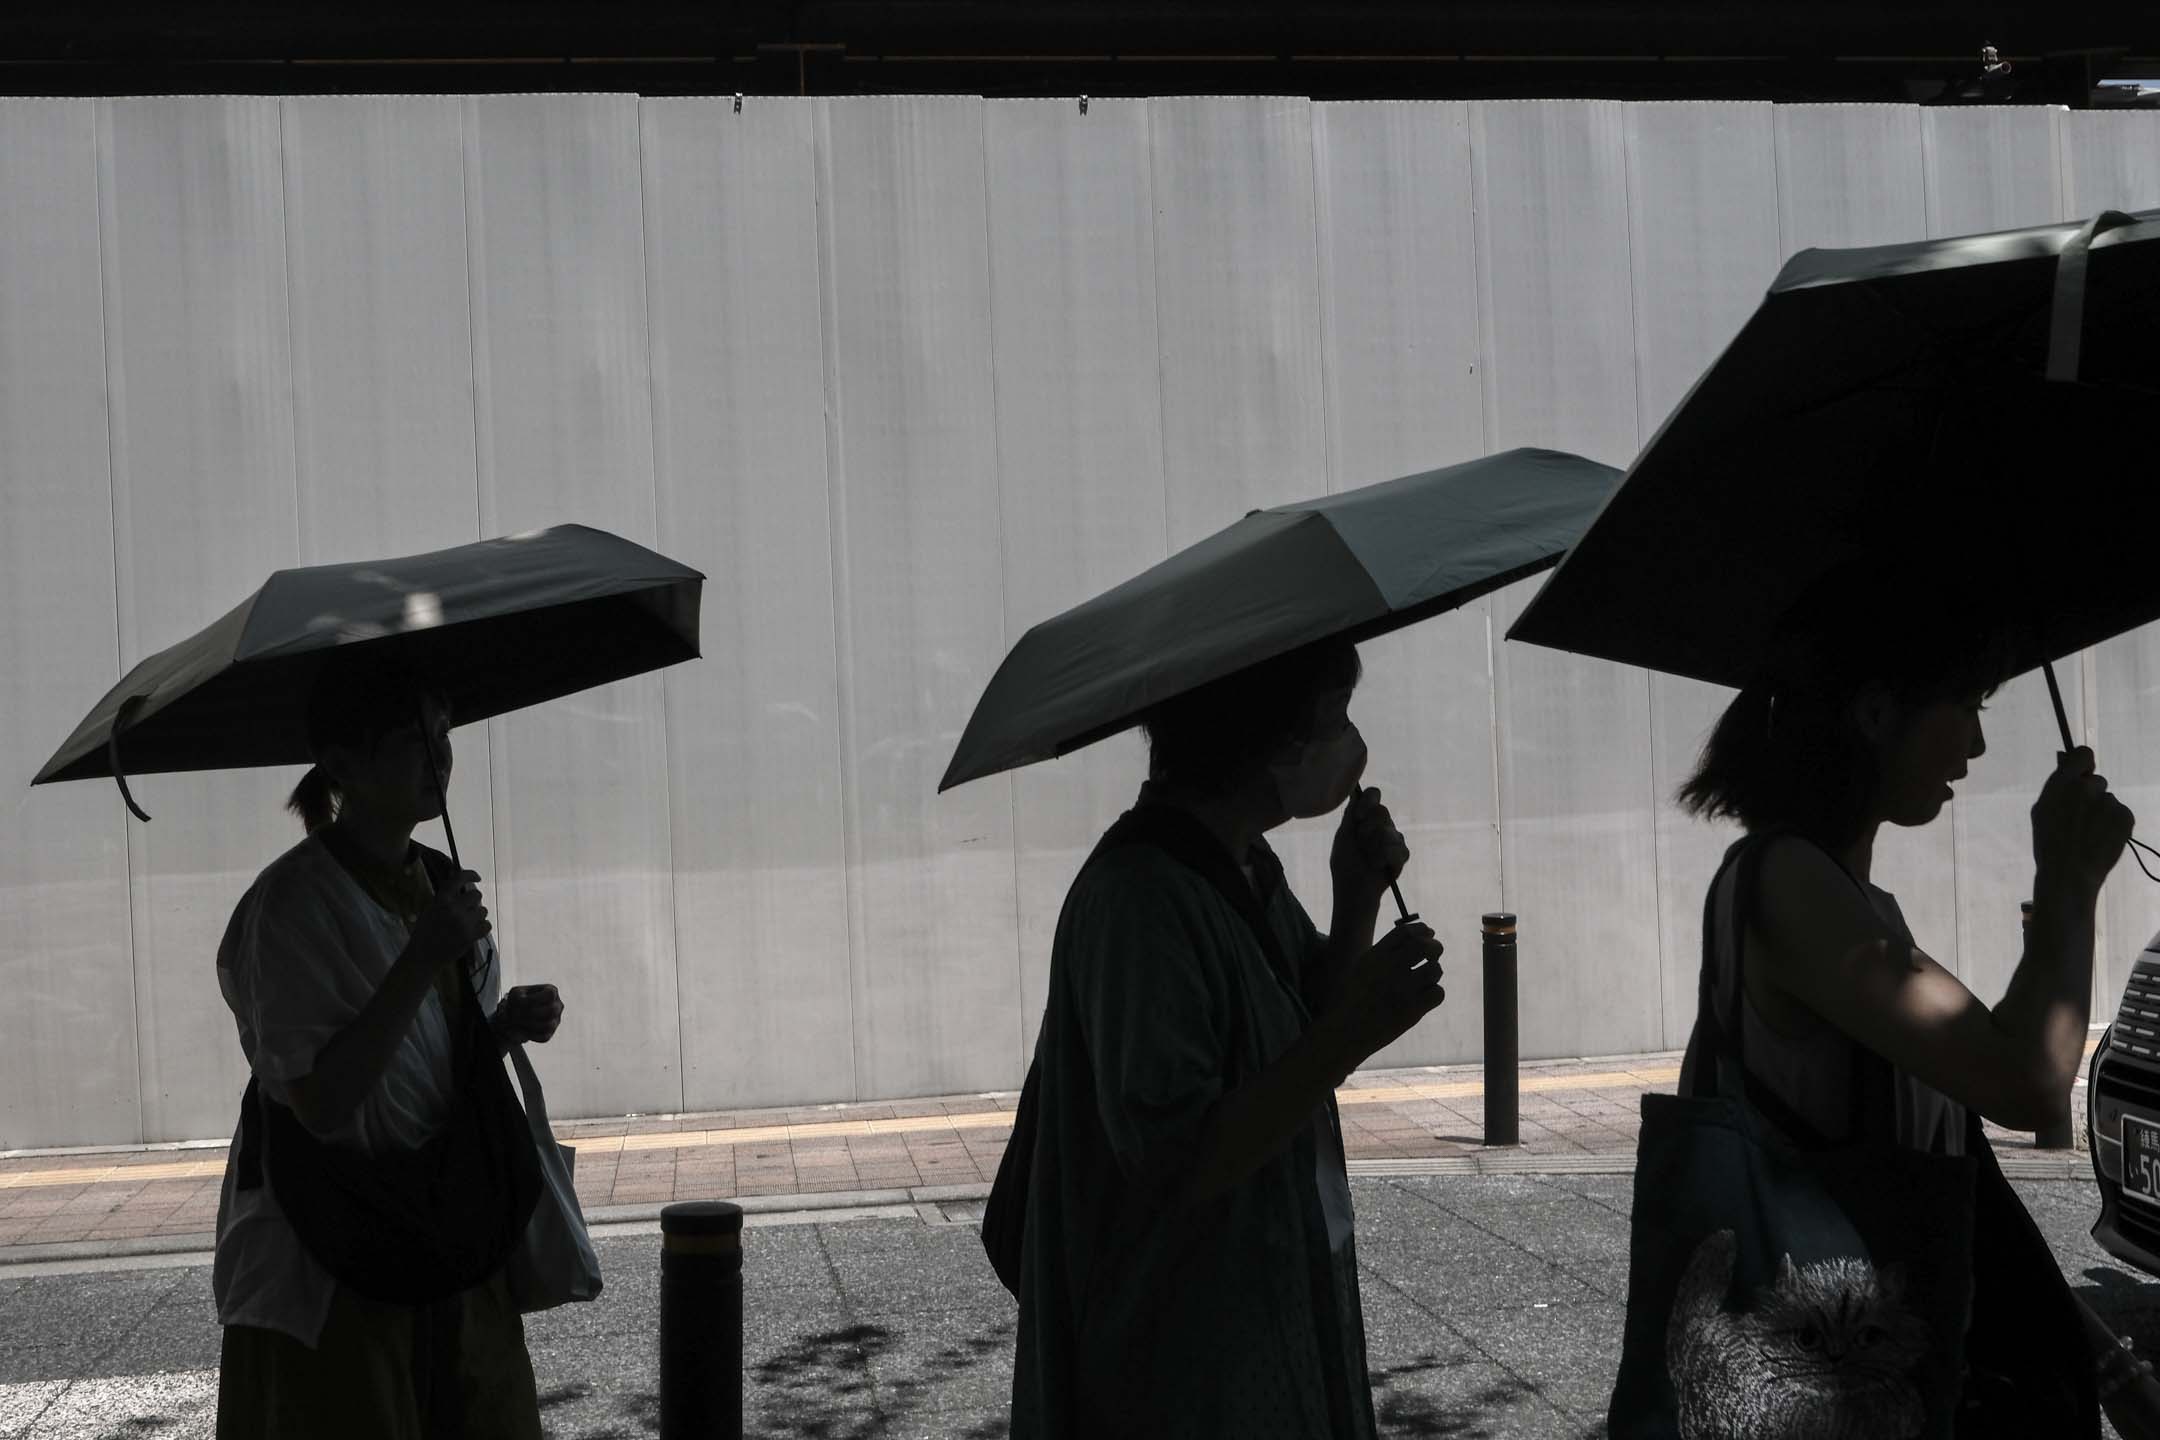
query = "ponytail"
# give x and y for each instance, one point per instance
(314, 799)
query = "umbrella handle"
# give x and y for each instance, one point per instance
(434, 770)
(121, 717)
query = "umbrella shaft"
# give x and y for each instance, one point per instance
(2062, 716)
(435, 778)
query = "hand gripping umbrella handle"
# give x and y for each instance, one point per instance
(2062, 722)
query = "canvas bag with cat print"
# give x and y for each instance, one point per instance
(1779, 1286)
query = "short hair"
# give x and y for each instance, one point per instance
(1786, 753)
(1217, 735)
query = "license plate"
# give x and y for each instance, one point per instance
(2141, 1160)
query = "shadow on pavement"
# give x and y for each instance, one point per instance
(836, 1384)
(1422, 1416)
(2130, 1305)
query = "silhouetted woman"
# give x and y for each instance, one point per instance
(1187, 1260)
(356, 1299)
(1867, 716)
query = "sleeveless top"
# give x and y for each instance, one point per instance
(1811, 1069)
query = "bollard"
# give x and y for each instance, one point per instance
(1503, 1100)
(2057, 1134)
(701, 1338)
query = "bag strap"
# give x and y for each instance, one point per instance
(1872, 1085)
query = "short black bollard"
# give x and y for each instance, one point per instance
(701, 1341)
(1503, 1099)
(2058, 1133)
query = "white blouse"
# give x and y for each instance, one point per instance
(305, 951)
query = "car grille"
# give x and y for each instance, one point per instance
(2137, 1023)
(2138, 1225)
(2139, 1091)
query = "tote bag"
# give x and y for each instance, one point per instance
(555, 1262)
(1779, 1286)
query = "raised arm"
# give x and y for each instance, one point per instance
(1816, 940)
(1369, 852)
(352, 1063)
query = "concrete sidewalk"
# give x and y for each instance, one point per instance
(1577, 1116)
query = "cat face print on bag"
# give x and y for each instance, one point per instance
(1825, 1351)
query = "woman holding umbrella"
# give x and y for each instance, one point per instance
(1187, 1266)
(1866, 714)
(364, 982)
(385, 1173)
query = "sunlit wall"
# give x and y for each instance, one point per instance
(903, 376)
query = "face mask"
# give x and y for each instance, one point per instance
(1322, 775)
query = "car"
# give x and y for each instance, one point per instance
(2122, 1120)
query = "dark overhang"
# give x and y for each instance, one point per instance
(1742, 49)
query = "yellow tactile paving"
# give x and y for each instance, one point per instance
(769, 1134)
(598, 1146)
(1529, 1084)
(115, 1174)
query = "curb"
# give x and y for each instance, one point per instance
(760, 1205)
(193, 1242)
(922, 1200)
(763, 1207)
(2049, 1165)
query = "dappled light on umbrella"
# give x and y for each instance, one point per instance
(491, 627)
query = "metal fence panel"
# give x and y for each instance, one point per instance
(1702, 247)
(1079, 442)
(1404, 383)
(1578, 823)
(918, 551)
(564, 419)
(67, 1040)
(738, 354)
(192, 218)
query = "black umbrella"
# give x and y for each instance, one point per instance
(492, 627)
(1980, 406)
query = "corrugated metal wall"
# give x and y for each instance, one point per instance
(905, 376)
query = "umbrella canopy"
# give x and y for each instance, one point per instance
(493, 626)
(1978, 407)
(1353, 565)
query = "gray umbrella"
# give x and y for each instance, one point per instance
(1353, 565)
